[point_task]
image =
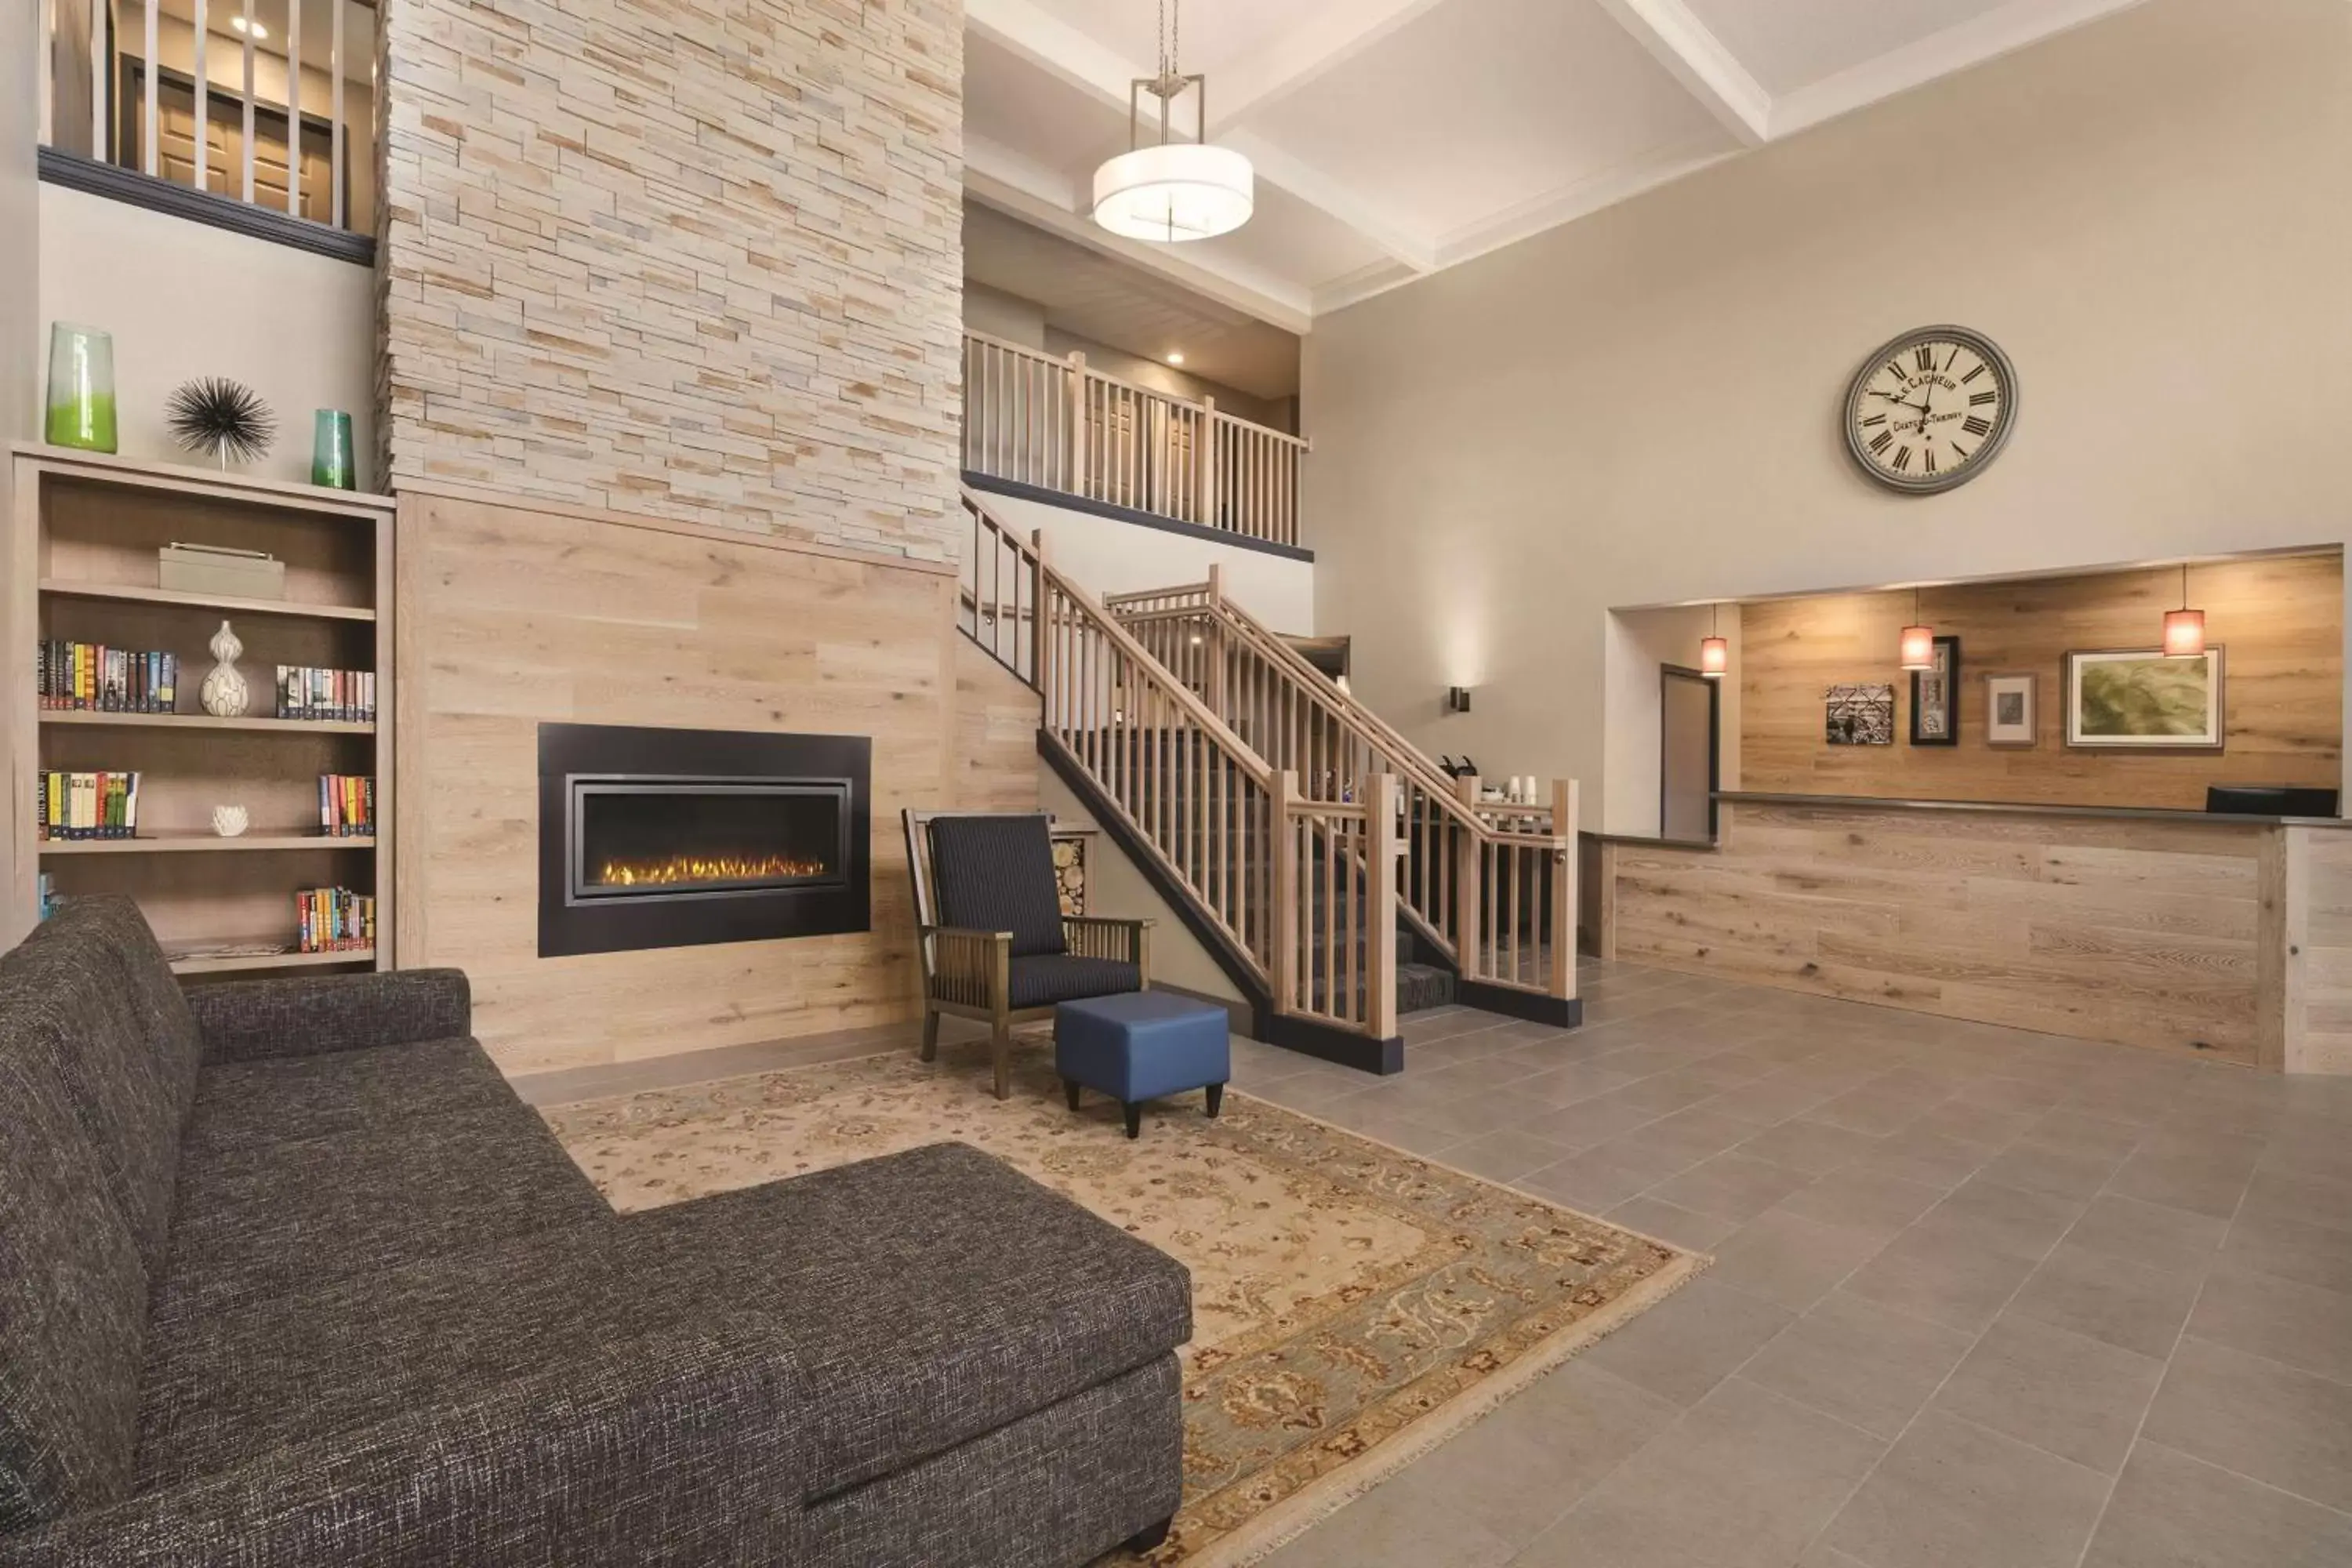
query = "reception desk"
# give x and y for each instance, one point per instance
(2227, 936)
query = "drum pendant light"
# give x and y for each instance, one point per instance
(1919, 644)
(2184, 629)
(1170, 191)
(1714, 650)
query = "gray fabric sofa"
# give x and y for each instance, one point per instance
(287, 1275)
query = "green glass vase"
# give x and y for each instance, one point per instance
(331, 451)
(82, 388)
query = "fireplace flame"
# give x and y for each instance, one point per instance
(678, 869)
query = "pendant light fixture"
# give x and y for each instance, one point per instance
(1172, 190)
(2184, 629)
(1714, 651)
(1918, 644)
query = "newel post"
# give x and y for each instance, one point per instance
(1205, 465)
(1563, 889)
(1469, 898)
(1214, 646)
(1077, 374)
(1380, 908)
(1282, 965)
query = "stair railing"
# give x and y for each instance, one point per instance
(1278, 873)
(1485, 883)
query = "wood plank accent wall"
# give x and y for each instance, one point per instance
(2145, 933)
(2280, 619)
(516, 617)
(2310, 989)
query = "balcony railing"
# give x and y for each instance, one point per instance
(267, 103)
(1058, 425)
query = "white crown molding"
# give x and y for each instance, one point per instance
(1338, 32)
(2016, 26)
(1696, 58)
(1394, 238)
(998, 177)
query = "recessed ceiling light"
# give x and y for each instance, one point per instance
(253, 30)
(1175, 359)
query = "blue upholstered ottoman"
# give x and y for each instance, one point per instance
(1144, 1045)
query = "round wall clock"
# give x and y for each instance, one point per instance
(1931, 409)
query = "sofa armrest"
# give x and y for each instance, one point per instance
(250, 1020)
(672, 1449)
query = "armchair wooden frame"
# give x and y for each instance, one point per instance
(969, 972)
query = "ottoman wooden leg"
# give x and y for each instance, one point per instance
(930, 1035)
(1216, 1097)
(1070, 1088)
(1150, 1540)
(1134, 1118)
(1001, 1049)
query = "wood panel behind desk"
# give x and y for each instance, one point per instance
(2143, 930)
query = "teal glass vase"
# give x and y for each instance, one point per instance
(331, 452)
(80, 411)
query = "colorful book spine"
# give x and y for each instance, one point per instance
(306, 691)
(90, 677)
(334, 919)
(75, 806)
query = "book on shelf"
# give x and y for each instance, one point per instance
(334, 919)
(306, 691)
(44, 889)
(346, 806)
(92, 678)
(86, 806)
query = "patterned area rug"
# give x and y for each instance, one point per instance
(1352, 1305)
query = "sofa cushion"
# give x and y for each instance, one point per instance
(250, 1104)
(921, 1299)
(73, 1308)
(89, 993)
(264, 1219)
(1043, 981)
(996, 873)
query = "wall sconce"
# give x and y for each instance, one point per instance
(1457, 699)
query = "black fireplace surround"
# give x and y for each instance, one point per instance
(652, 838)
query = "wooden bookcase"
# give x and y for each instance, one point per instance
(82, 565)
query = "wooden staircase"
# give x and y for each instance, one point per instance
(1304, 845)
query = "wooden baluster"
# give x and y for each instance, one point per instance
(1074, 378)
(1380, 915)
(1286, 890)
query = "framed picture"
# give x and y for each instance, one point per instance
(1936, 698)
(2013, 716)
(1859, 716)
(2137, 699)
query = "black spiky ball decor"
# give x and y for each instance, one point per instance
(222, 419)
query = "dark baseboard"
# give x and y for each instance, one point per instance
(1067, 503)
(79, 173)
(1560, 1012)
(1326, 1043)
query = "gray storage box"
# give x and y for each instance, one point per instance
(222, 574)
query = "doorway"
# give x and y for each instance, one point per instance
(1690, 710)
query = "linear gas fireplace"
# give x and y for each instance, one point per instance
(652, 838)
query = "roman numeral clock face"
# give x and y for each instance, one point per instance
(1931, 409)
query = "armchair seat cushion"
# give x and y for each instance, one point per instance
(1044, 980)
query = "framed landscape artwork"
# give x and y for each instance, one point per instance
(2012, 714)
(1859, 716)
(2136, 699)
(1936, 698)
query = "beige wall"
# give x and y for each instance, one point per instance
(22, 360)
(1642, 407)
(1640, 645)
(701, 261)
(183, 300)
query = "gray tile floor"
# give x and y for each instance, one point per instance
(1982, 1299)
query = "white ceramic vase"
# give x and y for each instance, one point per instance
(229, 821)
(224, 694)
